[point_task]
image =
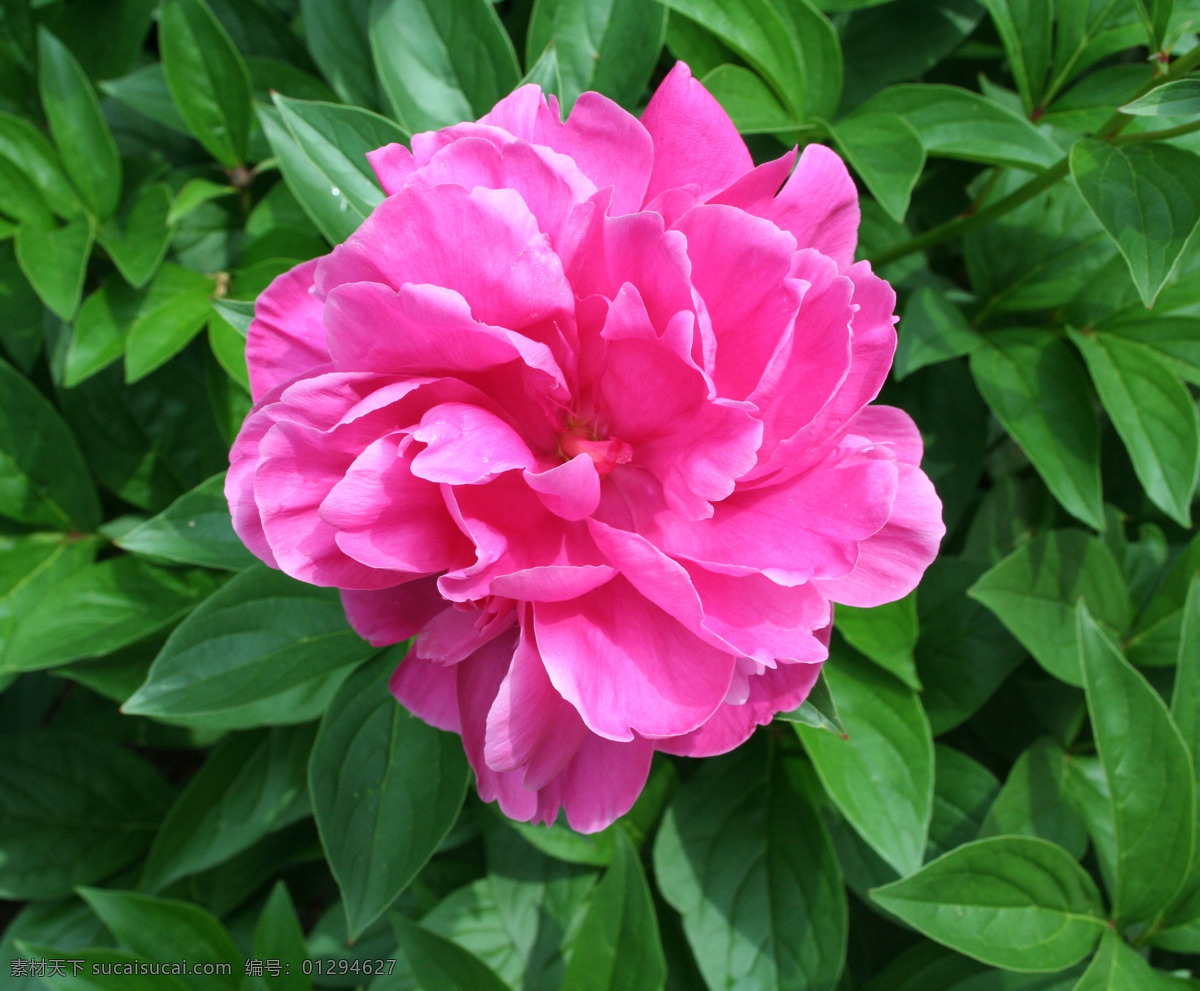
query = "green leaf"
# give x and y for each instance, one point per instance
(100, 970)
(172, 310)
(1175, 340)
(32, 566)
(208, 79)
(89, 154)
(1035, 800)
(195, 193)
(956, 123)
(1155, 638)
(1180, 98)
(932, 330)
(617, 948)
(1150, 779)
(438, 64)
(1153, 412)
(1027, 29)
(886, 761)
(54, 260)
(963, 789)
(818, 710)
(751, 105)
(758, 32)
(886, 634)
(27, 149)
(239, 314)
(815, 39)
(545, 73)
(278, 936)
(887, 152)
(145, 92)
(194, 529)
(609, 47)
(746, 859)
(263, 633)
(1117, 967)
(1011, 901)
(1033, 591)
(137, 240)
(336, 33)
(1039, 393)
(43, 478)
(168, 930)
(251, 785)
(229, 348)
(73, 810)
(325, 163)
(67, 924)
(1156, 15)
(22, 316)
(1147, 196)
(386, 788)
(440, 965)
(100, 608)
(1185, 696)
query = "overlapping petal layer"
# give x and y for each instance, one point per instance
(583, 406)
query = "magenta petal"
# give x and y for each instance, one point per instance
(740, 267)
(611, 147)
(775, 690)
(556, 583)
(806, 527)
(466, 445)
(389, 615)
(599, 785)
(819, 205)
(456, 633)
(388, 518)
(393, 164)
(428, 691)
(615, 657)
(570, 490)
(286, 337)
(893, 427)
(891, 562)
(513, 280)
(694, 139)
(530, 725)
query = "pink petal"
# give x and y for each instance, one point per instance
(757, 186)
(297, 469)
(694, 139)
(478, 680)
(611, 147)
(556, 583)
(570, 490)
(763, 620)
(616, 658)
(389, 518)
(393, 164)
(892, 561)
(389, 615)
(530, 726)
(599, 784)
(806, 527)
(456, 633)
(467, 445)
(286, 337)
(819, 205)
(891, 426)
(511, 277)
(429, 691)
(740, 267)
(775, 690)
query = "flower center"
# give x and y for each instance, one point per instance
(606, 454)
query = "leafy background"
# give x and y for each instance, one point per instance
(993, 787)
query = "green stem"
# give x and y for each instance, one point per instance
(1167, 132)
(970, 221)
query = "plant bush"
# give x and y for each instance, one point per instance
(993, 784)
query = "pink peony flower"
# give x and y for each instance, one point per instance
(583, 407)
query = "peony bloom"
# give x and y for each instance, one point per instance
(583, 407)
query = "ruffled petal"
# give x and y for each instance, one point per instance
(386, 616)
(615, 657)
(694, 139)
(286, 337)
(819, 205)
(890, 564)
(429, 691)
